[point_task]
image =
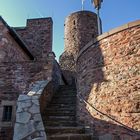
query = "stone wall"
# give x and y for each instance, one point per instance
(80, 28)
(9, 48)
(29, 123)
(18, 78)
(18, 68)
(38, 36)
(108, 75)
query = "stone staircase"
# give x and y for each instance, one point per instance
(60, 117)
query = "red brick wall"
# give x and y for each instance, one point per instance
(38, 36)
(108, 77)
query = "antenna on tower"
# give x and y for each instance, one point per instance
(97, 5)
(83, 5)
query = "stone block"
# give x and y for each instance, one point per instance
(106, 137)
(39, 138)
(22, 131)
(23, 97)
(34, 109)
(24, 104)
(23, 117)
(36, 102)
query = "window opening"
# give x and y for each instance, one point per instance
(7, 113)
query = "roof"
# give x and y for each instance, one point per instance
(17, 39)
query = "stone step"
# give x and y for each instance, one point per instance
(66, 87)
(60, 118)
(63, 102)
(60, 106)
(60, 113)
(59, 123)
(66, 92)
(64, 130)
(70, 137)
(70, 94)
(64, 98)
(64, 95)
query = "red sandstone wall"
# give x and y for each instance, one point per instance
(17, 72)
(9, 49)
(80, 28)
(38, 36)
(15, 79)
(108, 77)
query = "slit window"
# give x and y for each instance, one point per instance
(7, 113)
(74, 22)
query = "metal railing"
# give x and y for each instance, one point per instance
(104, 114)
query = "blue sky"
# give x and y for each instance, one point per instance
(114, 13)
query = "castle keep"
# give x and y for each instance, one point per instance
(92, 94)
(80, 28)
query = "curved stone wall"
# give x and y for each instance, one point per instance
(108, 78)
(29, 123)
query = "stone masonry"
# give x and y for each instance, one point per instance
(108, 78)
(29, 123)
(9, 48)
(105, 68)
(80, 28)
(38, 36)
(22, 63)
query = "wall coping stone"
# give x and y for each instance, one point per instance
(107, 34)
(29, 124)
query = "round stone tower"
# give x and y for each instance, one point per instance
(80, 28)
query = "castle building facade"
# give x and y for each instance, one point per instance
(105, 70)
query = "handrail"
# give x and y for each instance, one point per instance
(124, 126)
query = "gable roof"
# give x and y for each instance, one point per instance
(16, 37)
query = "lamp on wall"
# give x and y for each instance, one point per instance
(97, 5)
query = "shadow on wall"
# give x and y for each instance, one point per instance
(107, 127)
(68, 66)
(103, 101)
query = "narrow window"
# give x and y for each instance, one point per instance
(7, 113)
(74, 22)
(92, 35)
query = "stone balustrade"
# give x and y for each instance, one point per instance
(29, 123)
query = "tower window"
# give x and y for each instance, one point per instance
(74, 22)
(92, 35)
(7, 113)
